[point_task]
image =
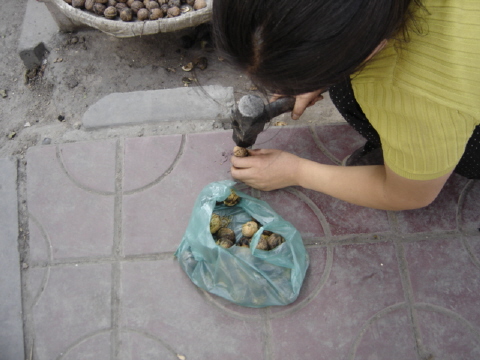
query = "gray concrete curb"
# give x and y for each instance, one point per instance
(11, 329)
(38, 27)
(158, 106)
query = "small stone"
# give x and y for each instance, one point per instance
(77, 125)
(61, 118)
(46, 141)
(3, 93)
(11, 135)
(27, 124)
(24, 266)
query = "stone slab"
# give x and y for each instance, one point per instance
(11, 329)
(38, 27)
(158, 106)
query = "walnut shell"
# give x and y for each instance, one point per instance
(143, 14)
(199, 4)
(152, 5)
(240, 151)
(137, 5)
(275, 240)
(263, 243)
(173, 12)
(78, 3)
(89, 5)
(215, 223)
(225, 243)
(249, 228)
(120, 6)
(232, 199)
(98, 8)
(126, 14)
(226, 233)
(156, 14)
(172, 3)
(110, 12)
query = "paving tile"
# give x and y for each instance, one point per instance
(74, 305)
(155, 219)
(302, 213)
(94, 347)
(444, 277)
(470, 209)
(11, 331)
(345, 218)
(363, 282)
(446, 336)
(73, 222)
(147, 159)
(90, 164)
(441, 215)
(160, 300)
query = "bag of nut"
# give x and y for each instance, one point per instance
(237, 247)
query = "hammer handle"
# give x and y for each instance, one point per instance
(280, 106)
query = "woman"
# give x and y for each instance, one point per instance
(405, 74)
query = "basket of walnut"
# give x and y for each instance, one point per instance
(128, 18)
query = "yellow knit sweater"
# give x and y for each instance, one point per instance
(423, 97)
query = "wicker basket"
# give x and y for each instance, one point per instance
(121, 28)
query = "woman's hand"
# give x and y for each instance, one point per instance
(266, 169)
(302, 101)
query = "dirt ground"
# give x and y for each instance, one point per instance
(81, 68)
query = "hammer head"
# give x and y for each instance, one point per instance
(252, 114)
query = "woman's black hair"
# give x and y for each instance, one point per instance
(292, 47)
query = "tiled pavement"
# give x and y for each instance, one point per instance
(105, 218)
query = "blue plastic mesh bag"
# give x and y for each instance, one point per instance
(245, 276)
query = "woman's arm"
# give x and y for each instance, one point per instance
(371, 186)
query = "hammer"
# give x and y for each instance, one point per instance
(252, 114)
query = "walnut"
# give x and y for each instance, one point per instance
(152, 5)
(110, 12)
(89, 4)
(143, 14)
(262, 243)
(190, 2)
(244, 242)
(275, 240)
(162, 2)
(225, 243)
(249, 228)
(98, 8)
(156, 14)
(130, 2)
(173, 12)
(232, 199)
(226, 233)
(199, 4)
(121, 1)
(137, 5)
(101, 1)
(164, 8)
(78, 3)
(126, 14)
(120, 6)
(68, 1)
(215, 223)
(112, 2)
(172, 3)
(240, 151)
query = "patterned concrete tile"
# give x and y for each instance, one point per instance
(69, 221)
(155, 219)
(441, 215)
(470, 208)
(364, 282)
(442, 274)
(73, 305)
(148, 159)
(160, 300)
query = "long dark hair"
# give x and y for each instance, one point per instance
(296, 46)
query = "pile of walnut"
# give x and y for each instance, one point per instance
(129, 10)
(225, 237)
